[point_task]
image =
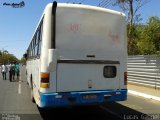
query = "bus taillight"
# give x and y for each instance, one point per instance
(44, 80)
(125, 78)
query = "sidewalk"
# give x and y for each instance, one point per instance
(143, 91)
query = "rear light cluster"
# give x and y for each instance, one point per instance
(44, 80)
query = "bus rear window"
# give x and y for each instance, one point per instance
(109, 71)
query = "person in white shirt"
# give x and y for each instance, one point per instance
(4, 71)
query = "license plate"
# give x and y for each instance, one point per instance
(89, 96)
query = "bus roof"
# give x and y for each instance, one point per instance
(82, 6)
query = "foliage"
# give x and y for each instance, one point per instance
(130, 8)
(142, 39)
(23, 60)
(149, 37)
(6, 57)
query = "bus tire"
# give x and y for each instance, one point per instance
(32, 98)
(27, 81)
(32, 94)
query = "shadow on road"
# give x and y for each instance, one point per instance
(111, 111)
(126, 113)
(88, 113)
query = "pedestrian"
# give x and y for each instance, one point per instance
(17, 71)
(12, 72)
(4, 71)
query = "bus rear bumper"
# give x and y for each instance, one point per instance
(81, 98)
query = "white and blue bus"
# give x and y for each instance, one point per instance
(77, 56)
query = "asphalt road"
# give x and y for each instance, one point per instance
(15, 104)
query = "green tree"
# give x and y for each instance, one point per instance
(149, 37)
(23, 60)
(154, 31)
(131, 7)
(6, 57)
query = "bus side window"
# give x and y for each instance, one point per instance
(36, 42)
(33, 48)
(40, 38)
(31, 54)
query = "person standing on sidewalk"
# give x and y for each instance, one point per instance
(12, 72)
(4, 71)
(17, 71)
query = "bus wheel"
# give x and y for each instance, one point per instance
(32, 96)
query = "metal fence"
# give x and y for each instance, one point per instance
(144, 70)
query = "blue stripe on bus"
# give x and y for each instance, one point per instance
(81, 98)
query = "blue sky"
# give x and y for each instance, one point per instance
(17, 24)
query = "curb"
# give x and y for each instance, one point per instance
(144, 95)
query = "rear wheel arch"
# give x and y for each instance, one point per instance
(31, 81)
(31, 85)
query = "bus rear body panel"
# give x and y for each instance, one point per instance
(89, 58)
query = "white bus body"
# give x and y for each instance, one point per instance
(82, 56)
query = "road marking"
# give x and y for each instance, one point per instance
(111, 112)
(144, 95)
(20, 77)
(19, 88)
